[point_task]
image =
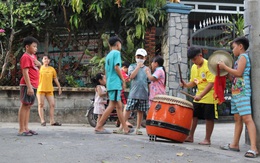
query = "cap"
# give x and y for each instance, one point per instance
(141, 52)
(112, 40)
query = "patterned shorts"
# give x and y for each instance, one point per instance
(136, 104)
(241, 105)
(26, 99)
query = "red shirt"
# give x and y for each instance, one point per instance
(26, 61)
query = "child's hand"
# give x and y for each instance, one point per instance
(147, 71)
(140, 64)
(221, 64)
(37, 63)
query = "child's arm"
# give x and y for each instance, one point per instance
(119, 73)
(134, 73)
(236, 72)
(58, 84)
(204, 92)
(149, 75)
(25, 72)
(99, 91)
(187, 85)
(37, 63)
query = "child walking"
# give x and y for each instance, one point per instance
(28, 84)
(45, 90)
(241, 94)
(158, 78)
(138, 95)
(100, 95)
(114, 84)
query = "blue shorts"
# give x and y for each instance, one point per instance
(241, 105)
(140, 105)
(114, 95)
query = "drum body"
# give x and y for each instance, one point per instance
(170, 118)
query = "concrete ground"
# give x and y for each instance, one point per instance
(71, 143)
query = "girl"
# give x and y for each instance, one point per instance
(158, 78)
(100, 95)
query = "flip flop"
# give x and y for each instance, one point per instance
(102, 132)
(131, 130)
(33, 132)
(118, 131)
(43, 124)
(251, 154)
(227, 147)
(25, 134)
(204, 143)
(138, 132)
(56, 124)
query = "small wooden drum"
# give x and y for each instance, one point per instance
(169, 118)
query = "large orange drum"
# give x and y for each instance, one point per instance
(170, 118)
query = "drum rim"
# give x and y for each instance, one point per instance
(174, 100)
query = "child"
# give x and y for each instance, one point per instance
(203, 103)
(124, 71)
(114, 80)
(45, 89)
(28, 84)
(241, 94)
(100, 95)
(158, 79)
(138, 95)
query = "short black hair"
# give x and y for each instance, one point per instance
(241, 40)
(125, 64)
(96, 79)
(193, 52)
(112, 40)
(29, 40)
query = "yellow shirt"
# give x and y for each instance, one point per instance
(202, 76)
(47, 74)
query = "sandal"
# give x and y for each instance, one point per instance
(33, 132)
(43, 123)
(118, 131)
(227, 147)
(26, 133)
(56, 124)
(251, 154)
(131, 130)
(138, 132)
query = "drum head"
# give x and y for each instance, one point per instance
(173, 100)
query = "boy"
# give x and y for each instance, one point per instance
(28, 84)
(138, 95)
(204, 107)
(114, 83)
(241, 94)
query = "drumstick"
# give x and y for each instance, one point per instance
(179, 67)
(185, 93)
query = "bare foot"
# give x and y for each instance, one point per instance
(189, 139)
(205, 142)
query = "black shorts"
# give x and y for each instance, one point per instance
(26, 99)
(204, 111)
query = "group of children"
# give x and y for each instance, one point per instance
(205, 106)
(139, 96)
(144, 86)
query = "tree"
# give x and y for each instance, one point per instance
(18, 20)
